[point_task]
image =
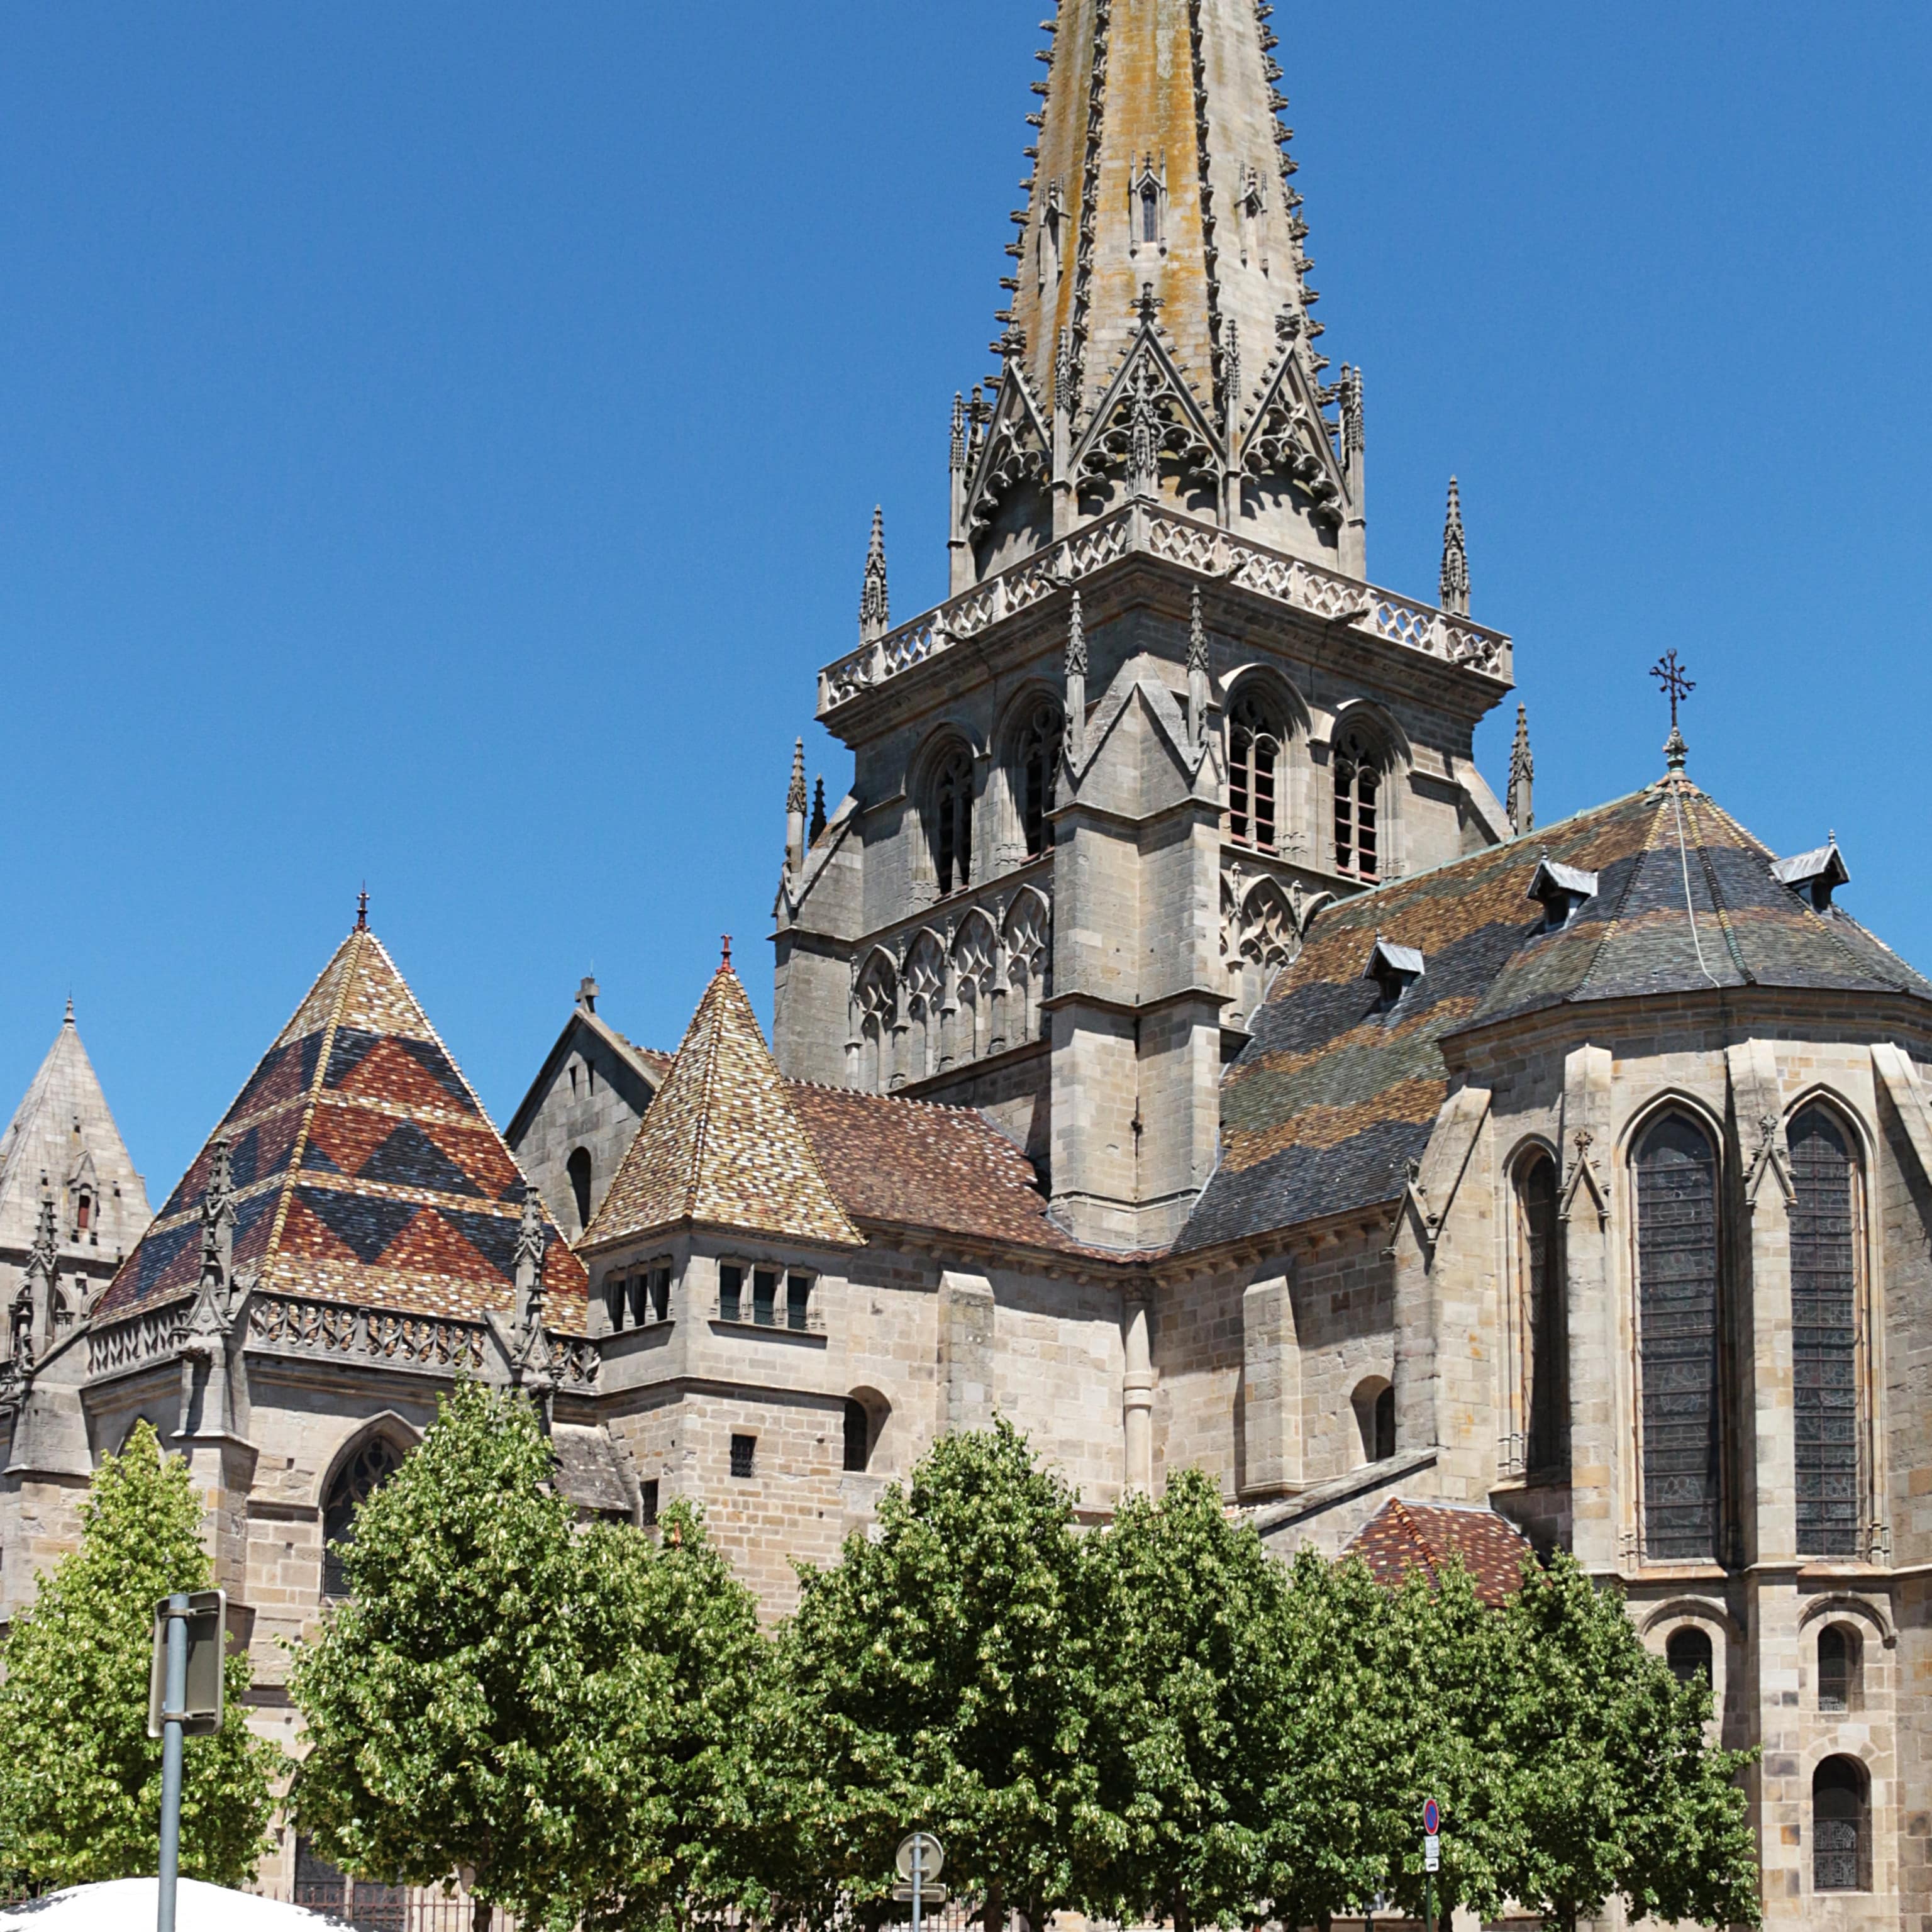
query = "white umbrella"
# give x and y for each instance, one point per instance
(127, 1905)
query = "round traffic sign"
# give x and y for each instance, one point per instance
(1432, 1817)
(931, 1855)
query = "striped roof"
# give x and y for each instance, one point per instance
(365, 1169)
(722, 1145)
(1339, 1087)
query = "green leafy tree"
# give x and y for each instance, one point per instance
(444, 1701)
(941, 1674)
(1190, 1713)
(80, 1779)
(1611, 1785)
(676, 1685)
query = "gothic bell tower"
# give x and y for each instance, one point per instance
(1163, 716)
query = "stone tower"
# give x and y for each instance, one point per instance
(1164, 718)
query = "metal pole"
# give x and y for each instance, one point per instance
(918, 1871)
(174, 1695)
(1428, 1900)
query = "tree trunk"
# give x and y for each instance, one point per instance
(482, 1916)
(995, 1913)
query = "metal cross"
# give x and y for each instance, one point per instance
(1670, 674)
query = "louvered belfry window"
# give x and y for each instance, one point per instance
(1254, 759)
(1677, 1314)
(1824, 1334)
(1357, 794)
(952, 821)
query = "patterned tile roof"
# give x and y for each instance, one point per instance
(722, 1145)
(1406, 1536)
(1337, 1090)
(365, 1169)
(916, 1164)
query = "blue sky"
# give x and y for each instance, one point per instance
(437, 444)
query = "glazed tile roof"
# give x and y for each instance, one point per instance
(1406, 1536)
(365, 1169)
(721, 1144)
(916, 1164)
(1336, 1092)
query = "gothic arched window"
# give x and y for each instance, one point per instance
(1676, 1173)
(1037, 774)
(578, 1167)
(1255, 739)
(1689, 1655)
(1840, 1656)
(1544, 1379)
(952, 820)
(1149, 210)
(358, 1479)
(1840, 1827)
(1358, 778)
(1825, 1333)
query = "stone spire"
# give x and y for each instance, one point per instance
(795, 804)
(1076, 684)
(1455, 565)
(1160, 169)
(875, 617)
(1522, 766)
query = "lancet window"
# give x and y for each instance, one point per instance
(952, 828)
(1036, 775)
(1542, 1377)
(1358, 779)
(1676, 1188)
(1255, 736)
(358, 1479)
(1840, 1827)
(1824, 1218)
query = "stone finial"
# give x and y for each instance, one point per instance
(817, 810)
(795, 797)
(1455, 556)
(1521, 778)
(1353, 429)
(1065, 377)
(875, 606)
(1076, 684)
(795, 801)
(958, 455)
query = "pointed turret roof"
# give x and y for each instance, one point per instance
(722, 1145)
(1162, 227)
(64, 1129)
(365, 1169)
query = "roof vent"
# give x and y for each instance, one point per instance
(1814, 876)
(1561, 890)
(1393, 968)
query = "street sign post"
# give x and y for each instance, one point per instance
(1432, 1859)
(184, 1698)
(921, 1857)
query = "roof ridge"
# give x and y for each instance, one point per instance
(1718, 907)
(707, 1077)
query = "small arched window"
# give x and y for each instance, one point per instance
(1037, 776)
(1825, 1333)
(1840, 1827)
(1149, 210)
(1677, 1329)
(578, 1167)
(83, 1212)
(1255, 739)
(952, 820)
(1689, 1654)
(1374, 1404)
(1545, 1332)
(1358, 779)
(359, 1478)
(858, 1434)
(1840, 1655)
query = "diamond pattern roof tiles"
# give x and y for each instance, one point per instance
(365, 1169)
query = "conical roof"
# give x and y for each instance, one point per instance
(64, 1129)
(722, 1145)
(364, 1168)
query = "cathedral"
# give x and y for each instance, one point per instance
(1177, 1048)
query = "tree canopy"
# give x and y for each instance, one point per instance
(80, 1779)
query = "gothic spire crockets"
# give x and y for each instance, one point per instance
(1159, 276)
(1523, 774)
(1455, 557)
(875, 610)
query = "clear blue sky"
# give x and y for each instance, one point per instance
(437, 442)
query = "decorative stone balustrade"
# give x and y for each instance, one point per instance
(126, 1345)
(1201, 547)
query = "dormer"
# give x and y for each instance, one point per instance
(1561, 890)
(1393, 968)
(1814, 876)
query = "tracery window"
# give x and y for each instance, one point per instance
(952, 831)
(1255, 739)
(1840, 1827)
(1545, 1363)
(1825, 1338)
(1037, 775)
(1357, 795)
(358, 1479)
(1676, 1176)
